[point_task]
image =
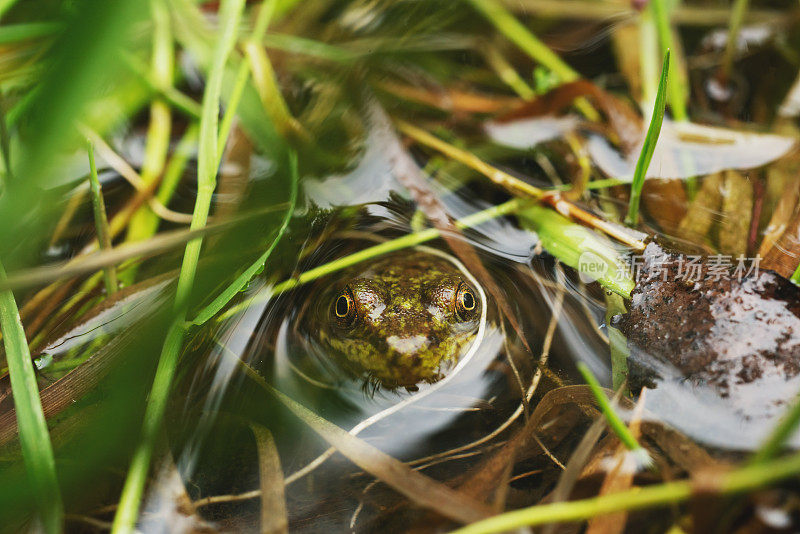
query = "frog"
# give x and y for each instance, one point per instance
(402, 320)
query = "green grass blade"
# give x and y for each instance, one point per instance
(207, 163)
(676, 89)
(512, 28)
(649, 146)
(400, 243)
(13, 33)
(241, 281)
(5, 5)
(37, 451)
(777, 439)
(159, 130)
(101, 222)
(614, 421)
(579, 247)
(618, 344)
(517, 33)
(796, 275)
(737, 16)
(659, 495)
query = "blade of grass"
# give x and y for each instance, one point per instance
(513, 29)
(176, 99)
(735, 24)
(618, 345)
(264, 77)
(661, 495)
(518, 187)
(144, 222)
(5, 146)
(34, 276)
(649, 146)
(508, 73)
(207, 163)
(5, 5)
(676, 88)
(414, 485)
(100, 221)
(612, 417)
(13, 33)
(241, 281)
(406, 241)
(265, 14)
(274, 518)
(37, 451)
(779, 435)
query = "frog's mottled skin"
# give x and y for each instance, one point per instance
(406, 328)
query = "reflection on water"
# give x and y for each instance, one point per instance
(447, 426)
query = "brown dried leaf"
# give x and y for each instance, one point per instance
(451, 100)
(682, 451)
(492, 473)
(700, 216)
(737, 211)
(780, 200)
(274, 519)
(627, 49)
(624, 121)
(665, 200)
(783, 257)
(417, 487)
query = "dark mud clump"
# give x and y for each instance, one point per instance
(720, 324)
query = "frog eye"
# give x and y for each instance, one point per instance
(466, 302)
(344, 309)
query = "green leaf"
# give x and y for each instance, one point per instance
(579, 247)
(649, 146)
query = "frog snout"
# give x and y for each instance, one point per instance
(408, 344)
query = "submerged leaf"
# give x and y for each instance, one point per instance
(687, 149)
(700, 216)
(737, 211)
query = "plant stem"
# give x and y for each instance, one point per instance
(617, 343)
(144, 222)
(614, 421)
(796, 275)
(648, 58)
(737, 481)
(507, 73)
(100, 221)
(241, 281)
(264, 76)
(676, 88)
(649, 146)
(400, 243)
(177, 164)
(739, 11)
(207, 164)
(517, 187)
(777, 439)
(265, 14)
(513, 29)
(37, 451)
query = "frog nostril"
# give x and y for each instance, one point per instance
(408, 344)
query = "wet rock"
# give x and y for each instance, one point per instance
(721, 325)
